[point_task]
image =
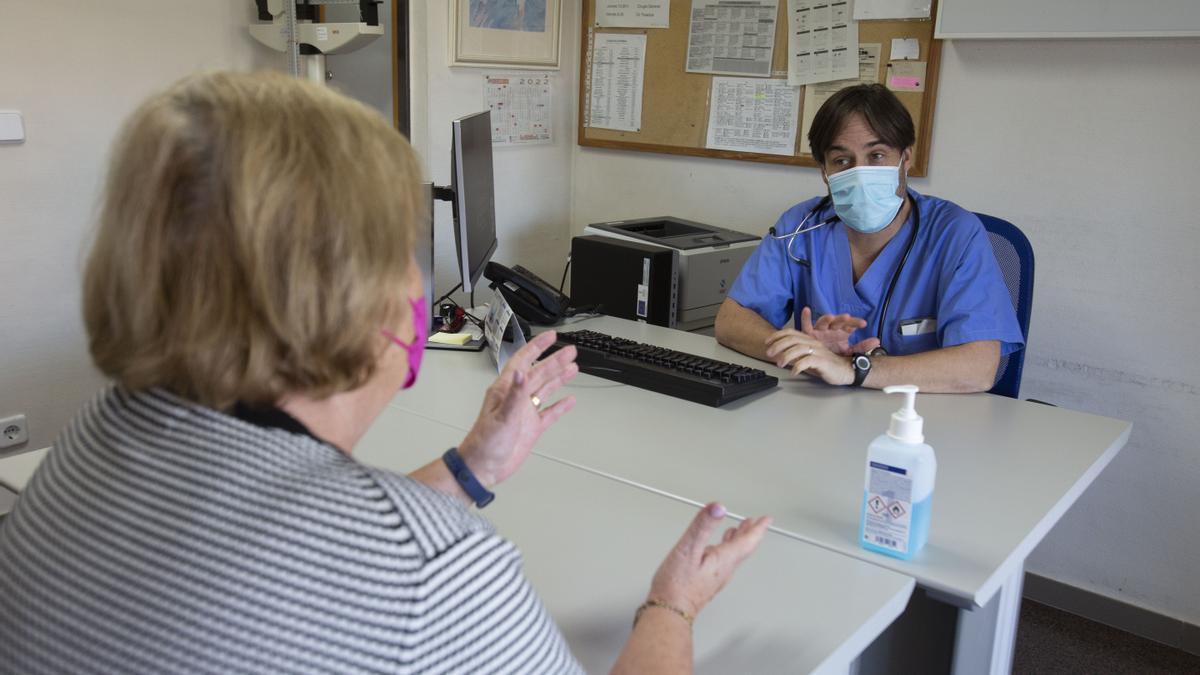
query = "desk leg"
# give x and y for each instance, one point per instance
(985, 637)
(934, 636)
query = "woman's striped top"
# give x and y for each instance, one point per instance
(160, 536)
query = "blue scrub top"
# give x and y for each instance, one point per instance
(950, 291)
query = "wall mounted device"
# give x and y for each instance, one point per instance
(12, 127)
(292, 26)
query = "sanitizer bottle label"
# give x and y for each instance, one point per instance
(889, 508)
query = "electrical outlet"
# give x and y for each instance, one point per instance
(13, 431)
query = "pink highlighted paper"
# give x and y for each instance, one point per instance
(906, 76)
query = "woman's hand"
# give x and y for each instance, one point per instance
(511, 421)
(801, 353)
(694, 571)
(834, 331)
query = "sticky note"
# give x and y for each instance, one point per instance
(450, 338)
(905, 49)
(906, 76)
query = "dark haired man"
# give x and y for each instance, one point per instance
(904, 288)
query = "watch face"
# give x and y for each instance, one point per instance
(862, 362)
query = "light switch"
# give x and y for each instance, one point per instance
(12, 127)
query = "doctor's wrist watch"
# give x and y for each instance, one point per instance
(862, 365)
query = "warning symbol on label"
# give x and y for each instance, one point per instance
(877, 505)
(895, 509)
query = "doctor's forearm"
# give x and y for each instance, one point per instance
(742, 329)
(960, 369)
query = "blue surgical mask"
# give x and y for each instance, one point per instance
(865, 197)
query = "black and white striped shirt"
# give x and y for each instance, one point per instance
(160, 536)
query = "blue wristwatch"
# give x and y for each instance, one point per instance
(470, 484)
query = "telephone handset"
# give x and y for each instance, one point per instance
(530, 296)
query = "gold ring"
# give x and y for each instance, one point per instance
(537, 402)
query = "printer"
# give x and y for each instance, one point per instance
(705, 260)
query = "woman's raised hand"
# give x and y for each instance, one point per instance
(695, 571)
(515, 410)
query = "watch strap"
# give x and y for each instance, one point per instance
(470, 484)
(860, 371)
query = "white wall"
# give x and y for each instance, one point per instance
(76, 89)
(76, 71)
(533, 183)
(1091, 148)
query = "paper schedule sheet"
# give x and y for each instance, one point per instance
(618, 68)
(822, 41)
(815, 95)
(633, 13)
(752, 115)
(732, 37)
(892, 9)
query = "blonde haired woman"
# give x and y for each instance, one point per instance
(252, 294)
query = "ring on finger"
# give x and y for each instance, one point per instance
(536, 401)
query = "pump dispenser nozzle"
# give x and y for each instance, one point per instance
(906, 425)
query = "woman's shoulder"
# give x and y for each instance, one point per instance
(289, 480)
(438, 521)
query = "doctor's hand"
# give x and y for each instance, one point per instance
(803, 353)
(834, 330)
(513, 416)
(694, 571)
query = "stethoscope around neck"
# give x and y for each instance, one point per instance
(887, 298)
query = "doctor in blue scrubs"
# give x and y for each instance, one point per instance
(873, 284)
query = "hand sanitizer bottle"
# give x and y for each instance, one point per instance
(901, 470)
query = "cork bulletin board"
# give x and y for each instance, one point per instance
(675, 103)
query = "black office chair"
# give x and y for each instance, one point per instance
(1015, 256)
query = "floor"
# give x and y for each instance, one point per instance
(1053, 641)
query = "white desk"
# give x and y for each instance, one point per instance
(591, 545)
(15, 471)
(1007, 470)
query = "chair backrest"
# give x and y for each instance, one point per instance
(1015, 256)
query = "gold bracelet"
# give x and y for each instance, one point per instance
(658, 603)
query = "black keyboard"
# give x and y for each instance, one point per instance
(686, 376)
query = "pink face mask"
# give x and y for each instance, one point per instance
(416, 348)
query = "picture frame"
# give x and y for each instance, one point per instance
(505, 33)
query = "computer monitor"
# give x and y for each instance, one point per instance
(425, 249)
(474, 195)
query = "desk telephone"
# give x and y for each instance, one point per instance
(530, 296)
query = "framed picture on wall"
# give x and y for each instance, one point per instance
(504, 33)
